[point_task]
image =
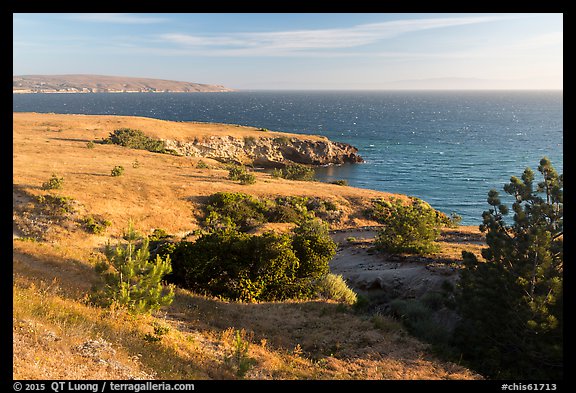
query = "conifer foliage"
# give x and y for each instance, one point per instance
(511, 303)
(131, 279)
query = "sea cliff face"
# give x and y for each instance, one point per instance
(268, 152)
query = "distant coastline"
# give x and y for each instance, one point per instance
(30, 84)
(109, 91)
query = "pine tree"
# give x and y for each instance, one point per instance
(131, 279)
(511, 303)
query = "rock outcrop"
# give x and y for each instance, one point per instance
(268, 152)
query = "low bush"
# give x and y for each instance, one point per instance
(451, 221)
(313, 247)
(202, 165)
(240, 173)
(231, 208)
(55, 205)
(333, 287)
(96, 225)
(340, 182)
(288, 209)
(418, 319)
(268, 267)
(409, 227)
(295, 172)
(245, 212)
(158, 234)
(117, 171)
(135, 139)
(54, 183)
(247, 178)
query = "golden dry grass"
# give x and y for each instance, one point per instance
(162, 191)
(99, 126)
(58, 335)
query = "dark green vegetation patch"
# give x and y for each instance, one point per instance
(245, 212)
(136, 139)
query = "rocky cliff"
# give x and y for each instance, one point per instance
(268, 151)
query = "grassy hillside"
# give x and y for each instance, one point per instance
(58, 334)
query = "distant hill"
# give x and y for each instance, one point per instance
(104, 84)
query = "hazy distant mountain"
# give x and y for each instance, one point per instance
(104, 84)
(467, 84)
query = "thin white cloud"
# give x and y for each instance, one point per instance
(117, 18)
(545, 39)
(290, 42)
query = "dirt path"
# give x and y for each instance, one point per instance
(378, 274)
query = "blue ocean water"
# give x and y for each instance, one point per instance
(448, 148)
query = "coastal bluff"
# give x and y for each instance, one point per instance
(268, 151)
(222, 142)
(78, 83)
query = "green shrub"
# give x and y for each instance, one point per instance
(324, 209)
(202, 165)
(333, 287)
(267, 267)
(54, 183)
(117, 170)
(131, 280)
(159, 331)
(96, 225)
(90, 145)
(242, 210)
(451, 221)
(407, 227)
(135, 163)
(340, 182)
(295, 172)
(55, 205)
(418, 319)
(158, 234)
(247, 178)
(239, 172)
(235, 265)
(314, 248)
(235, 171)
(288, 209)
(135, 139)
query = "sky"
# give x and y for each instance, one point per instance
(315, 51)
